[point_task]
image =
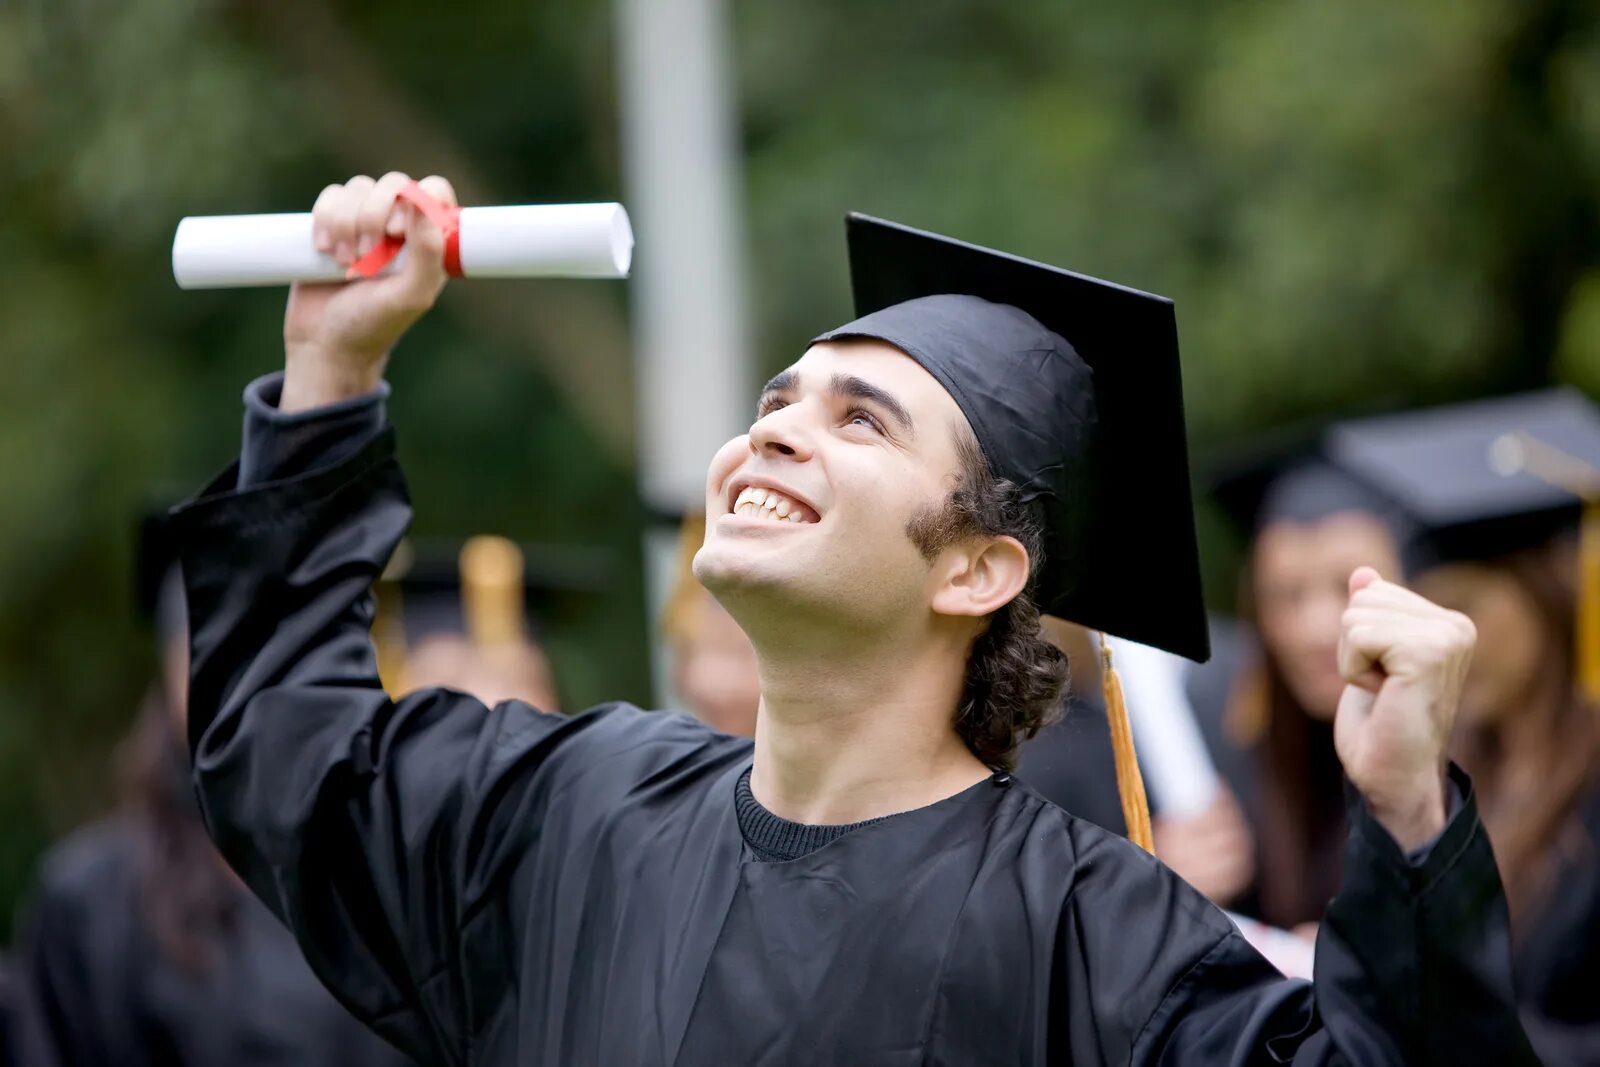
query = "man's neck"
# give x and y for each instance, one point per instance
(865, 734)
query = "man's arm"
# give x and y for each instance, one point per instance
(373, 828)
(1412, 968)
(1413, 958)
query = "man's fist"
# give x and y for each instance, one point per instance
(337, 337)
(1404, 660)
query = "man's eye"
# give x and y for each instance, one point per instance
(862, 417)
(767, 407)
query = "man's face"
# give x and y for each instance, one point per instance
(855, 439)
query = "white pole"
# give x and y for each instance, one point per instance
(684, 191)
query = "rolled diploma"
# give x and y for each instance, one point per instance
(531, 241)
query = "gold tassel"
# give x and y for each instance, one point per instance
(1515, 453)
(1130, 783)
(491, 591)
(686, 603)
(388, 623)
(1588, 626)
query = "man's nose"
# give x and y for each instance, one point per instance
(783, 433)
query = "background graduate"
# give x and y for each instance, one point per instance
(1267, 703)
(1504, 547)
(864, 883)
(139, 947)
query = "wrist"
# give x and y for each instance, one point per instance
(1414, 817)
(314, 377)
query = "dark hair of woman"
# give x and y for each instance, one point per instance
(1302, 826)
(1015, 677)
(1531, 827)
(186, 895)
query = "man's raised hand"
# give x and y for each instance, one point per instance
(1404, 660)
(337, 338)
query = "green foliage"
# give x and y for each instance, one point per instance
(1352, 204)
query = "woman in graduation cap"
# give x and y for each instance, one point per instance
(461, 620)
(1498, 487)
(1267, 704)
(864, 883)
(139, 948)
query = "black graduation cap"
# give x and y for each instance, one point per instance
(1483, 478)
(1072, 387)
(1486, 479)
(1285, 474)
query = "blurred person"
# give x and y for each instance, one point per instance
(8, 1012)
(1197, 826)
(1502, 549)
(714, 666)
(866, 882)
(1267, 704)
(463, 620)
(139, 947)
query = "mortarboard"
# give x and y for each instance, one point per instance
(1072, 388)
(1285, 474)
(1488, 478)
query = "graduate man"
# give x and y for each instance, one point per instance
(863, 883)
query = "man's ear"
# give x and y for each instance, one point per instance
(979, 577)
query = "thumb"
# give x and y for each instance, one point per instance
(424, 265)
(1362, 577)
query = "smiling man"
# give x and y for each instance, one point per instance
(865, 884)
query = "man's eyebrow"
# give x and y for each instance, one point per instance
(782, 382)
(861, 389)
(851, 386)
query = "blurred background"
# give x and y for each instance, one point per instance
(1356, 207)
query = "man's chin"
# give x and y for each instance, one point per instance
(737, 571)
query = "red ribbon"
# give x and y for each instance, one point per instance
(442, 215)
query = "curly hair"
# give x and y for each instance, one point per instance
(1015, 677)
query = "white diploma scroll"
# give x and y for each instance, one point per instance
(532, 241)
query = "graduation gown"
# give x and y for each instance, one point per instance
(1070, 764)
(1556, 951)
(498, 886)
(98, 992)
(8, 1013)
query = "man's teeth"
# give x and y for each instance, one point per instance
(766, 503)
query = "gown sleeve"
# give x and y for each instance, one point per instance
(1413, 967)
(385, 834)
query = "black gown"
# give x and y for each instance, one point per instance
(97, 992)
(1070, 764)
(504, 886)
(8, 1013)
(1556, 951)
